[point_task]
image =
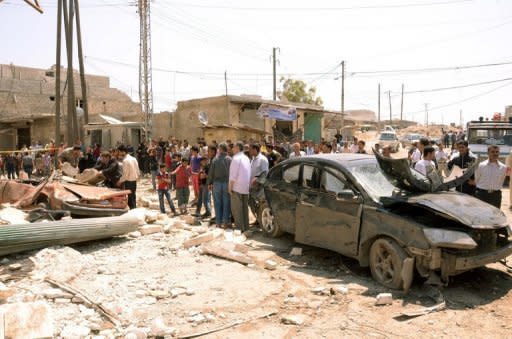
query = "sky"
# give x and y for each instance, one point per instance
(195, 41)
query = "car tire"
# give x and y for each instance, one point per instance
(386, 260)
(266, 221)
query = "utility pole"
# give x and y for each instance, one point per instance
(390, 111)
(57, 78)
(227, 98)
(145, 68)
(378, 108)
(426, 114)
(402, 106)
(83, 83)
(274, 72)
(72, 123)
(343, 94)
(460, 118)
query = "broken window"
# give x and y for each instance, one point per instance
(291, 175)
(331, 184)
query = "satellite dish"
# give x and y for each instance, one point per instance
(203, 117)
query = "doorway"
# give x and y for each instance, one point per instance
(23, 135)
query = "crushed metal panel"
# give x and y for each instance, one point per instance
(12, 191)
(400, 173)
(439, 237)
(94, 193)
(463, 208)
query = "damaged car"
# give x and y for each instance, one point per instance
(384, 214)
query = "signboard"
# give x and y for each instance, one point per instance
(277, 112)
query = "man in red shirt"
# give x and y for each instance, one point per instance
(164, 181)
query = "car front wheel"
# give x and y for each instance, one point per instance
(386, 260)
(266, 221)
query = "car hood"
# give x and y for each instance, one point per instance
(460, 207)
(400, 173)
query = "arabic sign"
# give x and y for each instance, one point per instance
(277, 112)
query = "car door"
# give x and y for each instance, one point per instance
(281, 191)
(307, 205)
(337, 214)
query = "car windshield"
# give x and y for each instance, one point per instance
(492, 136)
(387, 136)
(370, 177)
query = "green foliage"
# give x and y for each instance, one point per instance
(297, 91)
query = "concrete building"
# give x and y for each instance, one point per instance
(27, 103)
(234, 117)
(508, 111)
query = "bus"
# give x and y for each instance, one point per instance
(480, 134)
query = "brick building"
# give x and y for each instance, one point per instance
(27, 103)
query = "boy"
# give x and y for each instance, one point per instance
(204, 193)
(183, 174)
(164, 182)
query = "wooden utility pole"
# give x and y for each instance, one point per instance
(227, 98)
(83, 83)
(460, 119)
(390, 110)
(426, 114)
(402, 106)
(343, 94)
(57, 76)
(378, 108)
(274, 93)
(71, 111)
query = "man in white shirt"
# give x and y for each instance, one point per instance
(442, 160)
(489, 177)
(296, 152)
(259, 162)
(239, 182)
(310, 149)
(423, 166)
(130, 175)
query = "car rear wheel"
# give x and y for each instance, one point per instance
(266, 221)
(386, 260)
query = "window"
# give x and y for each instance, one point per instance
(331, 184)
(310, 176)
(291, 175)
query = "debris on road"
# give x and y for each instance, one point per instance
(384, 299)
(27, 320)
(293, 319)
(270, 265)
(296, 251)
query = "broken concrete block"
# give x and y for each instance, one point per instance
(320, 290)
(27, 320)
(151, 216)
(72, 331)
(53, 293)
(160, 329)
(62, 300)
(139, 213)
(197, 319)
(200, 239)
(270, 265)
(293, 319)
(15, 267)
(190, 220)
(135, 333)
(384, 299)
(5, 292)
(150, 229)
(159, 294)
(69, 170)
(135, 234)
(167, 228)
(154, 206)
(60, 264)
(341, 289)
(296, 251)
(175, 292)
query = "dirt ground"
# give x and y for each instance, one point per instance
(154, 277)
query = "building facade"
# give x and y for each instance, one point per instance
(27, 103)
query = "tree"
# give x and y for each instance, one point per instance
(297, 91)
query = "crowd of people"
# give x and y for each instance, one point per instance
(223, 172)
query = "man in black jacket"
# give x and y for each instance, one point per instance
(109, 168)
(464, 160)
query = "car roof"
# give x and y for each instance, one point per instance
(342, 158)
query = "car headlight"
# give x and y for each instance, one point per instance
(439, 237)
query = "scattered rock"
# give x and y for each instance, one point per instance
(150, 229)
(384, 299)
(296, 251)
(151, 216)
(160, 329)
(197, 319)
(53, 293)
(135, 333)
(167, 228)
(189, 292)
(270, 265)
(62, 300)
(4, 261)
(293, 319)
(190, 219)
(141, 293)
(72, 331)
(60, 264)
(175, 292)
(341, 289)
(5, 292)
(15, 267)
(27, 320)
(200, 239)
(320, 290)
(135, 234)
(159, 294)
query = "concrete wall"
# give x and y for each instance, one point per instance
(508, 111)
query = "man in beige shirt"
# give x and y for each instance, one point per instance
(130, 175)
(489, 177)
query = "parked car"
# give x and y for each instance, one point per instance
(409, 139)
(389, 139)
(380, 212)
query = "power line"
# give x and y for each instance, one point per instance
(387, 6)
(464, 100)
(456, 87)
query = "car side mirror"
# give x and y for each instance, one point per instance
(347, 195)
